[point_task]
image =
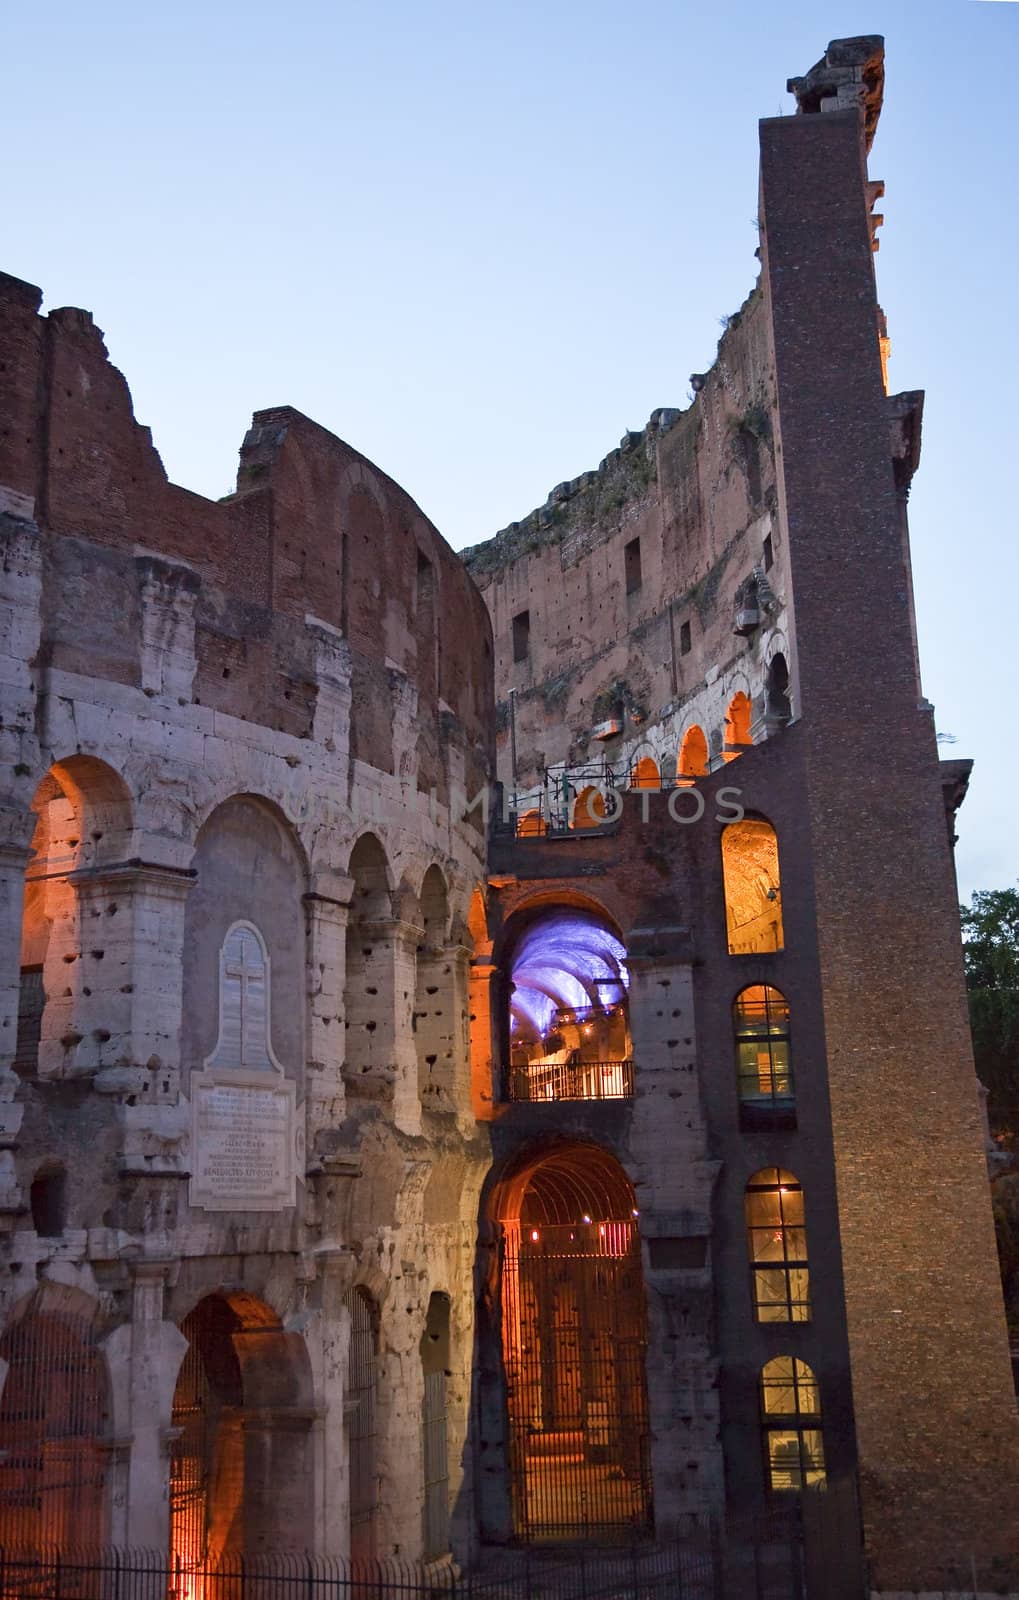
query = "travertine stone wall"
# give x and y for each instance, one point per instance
(205, 708)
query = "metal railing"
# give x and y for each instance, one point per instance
(549, 809)
(636, 1573)
(542, 1081)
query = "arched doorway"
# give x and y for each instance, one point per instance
(241, 1465)
(574, 1337)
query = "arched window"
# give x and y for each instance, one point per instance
(737, 726)
(776, 694)
(777, 1246)
(531, 824)
(791, 1418)
(588, 808)
(693, 755)
(760, 1020)
(645, 774)
(753, 904)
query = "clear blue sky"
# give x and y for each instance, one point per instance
(479, 242)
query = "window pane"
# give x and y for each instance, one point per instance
(785, 1469)
(795, 1244)
(808, 1398)
(799, 1294)
(813, 1456)
(771, 1290)
(778, 1393)
(795, 1458)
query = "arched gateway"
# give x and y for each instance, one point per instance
(574, 1337)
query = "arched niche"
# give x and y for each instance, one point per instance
(753, 890)
(249, 874)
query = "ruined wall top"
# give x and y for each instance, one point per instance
(314, 532)
(850, 73)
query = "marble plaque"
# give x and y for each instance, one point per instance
(244, 1142)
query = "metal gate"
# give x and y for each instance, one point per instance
(362, 1381)
(574, 1344)
(52, 1424)
(436, 1463)
(189, 1456)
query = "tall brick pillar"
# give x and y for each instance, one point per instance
(935, 1412)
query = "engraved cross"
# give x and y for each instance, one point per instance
(246, 974)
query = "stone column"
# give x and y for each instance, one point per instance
(327, 907)
(674, 1182)
(440, 1016)
(483, 1066)
(381, 1062)
(328, 1338)
(143, 1359)
(125, 1006)
(459, 957)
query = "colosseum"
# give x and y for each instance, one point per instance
(485, 1054)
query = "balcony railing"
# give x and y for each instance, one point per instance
(572, 1080)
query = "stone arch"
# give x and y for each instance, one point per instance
(241, 1465)
(645, 773)
(588, 809)
(777, 704)
(573, 1336)
(567, 1026)
(531, 824)
(84, 828)
(738, 717)
(693, 755)
(54, 1423)
(370, 986)
(250, 872)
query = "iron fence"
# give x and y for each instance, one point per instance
(771, 1555)
(627, 1574)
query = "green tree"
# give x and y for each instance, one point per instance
(990, 930)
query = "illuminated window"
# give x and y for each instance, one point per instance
(753, 904)
(645, 774)
(693, 755)
(588, 808)
(531, 824)
(777, 1244)
(791, 1418)
(760, 1016)
(737, 726)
